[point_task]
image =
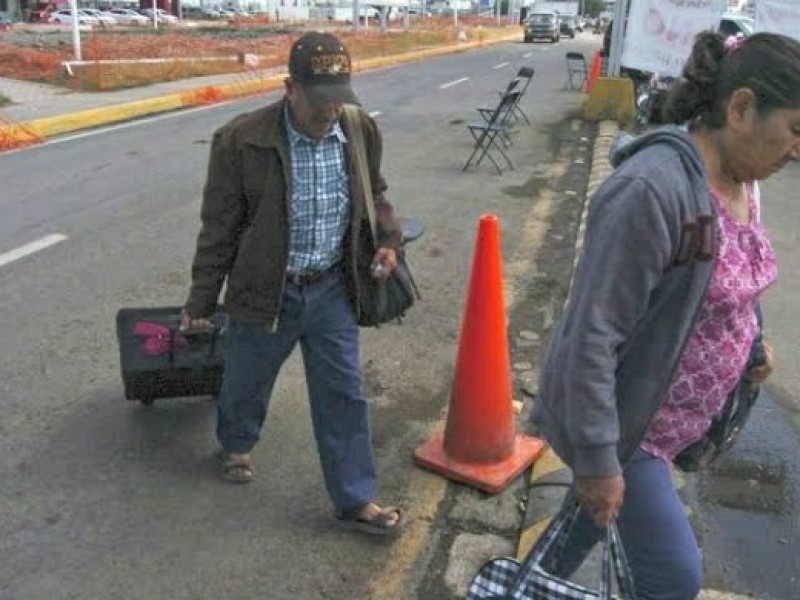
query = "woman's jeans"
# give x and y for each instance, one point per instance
(320, 317)
(656, 535)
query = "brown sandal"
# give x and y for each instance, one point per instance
(387, 521)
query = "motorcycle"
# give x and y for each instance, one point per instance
(650, 97)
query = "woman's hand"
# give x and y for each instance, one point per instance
(600, 497)
(760, 373)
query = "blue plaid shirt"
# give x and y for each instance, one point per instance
(320, 207)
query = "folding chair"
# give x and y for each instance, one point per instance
(576, 68)
(486, 134)
(515, 85)
(521, 80)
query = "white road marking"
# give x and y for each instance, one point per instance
(444, 86)
(30, 248)
(375, 113)
(527, 55)
(500, 66)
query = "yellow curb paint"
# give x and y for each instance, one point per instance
(716, 595)
(547, 463)
(247, 87)
(529, 537)
(50, 126)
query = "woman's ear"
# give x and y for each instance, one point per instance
(741, 110)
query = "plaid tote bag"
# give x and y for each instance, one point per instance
(507, 579)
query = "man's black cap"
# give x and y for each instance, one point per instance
(321, 64)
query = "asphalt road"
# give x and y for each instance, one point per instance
(102, 498)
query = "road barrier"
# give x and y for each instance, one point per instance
(479, 446)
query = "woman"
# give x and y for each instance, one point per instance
(662, 313)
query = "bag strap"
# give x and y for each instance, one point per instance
(615, 560)
(353, 118)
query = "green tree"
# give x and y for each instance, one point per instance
(593, 7)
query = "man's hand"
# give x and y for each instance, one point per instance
(760, 373)
(189, 323)
(600, 497)
(383, 263)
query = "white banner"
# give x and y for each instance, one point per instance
(660, 33)
(779, 16)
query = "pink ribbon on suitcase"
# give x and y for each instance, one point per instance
(159, 339)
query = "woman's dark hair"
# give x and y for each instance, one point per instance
(767, 63)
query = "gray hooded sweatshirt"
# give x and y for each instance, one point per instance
(647, 262)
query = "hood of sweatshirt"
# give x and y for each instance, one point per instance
(678, 139)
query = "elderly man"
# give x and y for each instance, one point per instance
(282, 210)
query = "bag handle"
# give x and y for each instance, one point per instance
(353, 118)
(546, 551)
(175, 330)
(614, 558)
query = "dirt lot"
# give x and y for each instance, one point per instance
(40, 55)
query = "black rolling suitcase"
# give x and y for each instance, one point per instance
(159, 361)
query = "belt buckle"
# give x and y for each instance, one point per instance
(301, 279)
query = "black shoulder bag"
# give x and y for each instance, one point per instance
(380, 300)
(726, 426)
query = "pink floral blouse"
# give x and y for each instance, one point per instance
(716, 353)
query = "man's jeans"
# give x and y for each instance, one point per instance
(655, 531)
(319, 316)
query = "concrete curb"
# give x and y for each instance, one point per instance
(546, 489)
(31, 132)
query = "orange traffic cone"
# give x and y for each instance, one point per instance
(594, 72)
(479, 446)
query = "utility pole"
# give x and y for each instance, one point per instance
(617, 37)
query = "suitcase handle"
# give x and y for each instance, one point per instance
(175, 330)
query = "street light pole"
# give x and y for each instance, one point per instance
(76, 33)
(356, 10)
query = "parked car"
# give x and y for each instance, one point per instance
(127, 16)
(163, 16)
(568, 24)
(542, 25)
(736, 25)
(5, 22)
(64, 17)
(201, 12)
(106, 19)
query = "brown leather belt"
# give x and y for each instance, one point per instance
(309, 276)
